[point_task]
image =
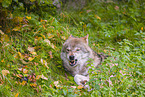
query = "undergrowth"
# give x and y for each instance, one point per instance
(30, 51)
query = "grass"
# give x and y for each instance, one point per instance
(30, 51)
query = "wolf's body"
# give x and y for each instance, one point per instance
(75, 55)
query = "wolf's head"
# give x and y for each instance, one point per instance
(75, 50)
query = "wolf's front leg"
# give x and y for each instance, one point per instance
(81, 80)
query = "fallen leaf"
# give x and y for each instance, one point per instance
(28, 17)
(1, 32)
(16, 29)
(56, 83)
(5, 72)
(80, 87)
(24, 62)
(20, 55)
(63, 37)
(25, 71)
(30, 58)
(141, 28)
(43, 36)
(73, 87)
(2, 60)
(31, 49)
(23, 83)
(46, 65)
(97, 17)
(33, 85)
(43, 77)
(50, 54)
(17, 95)
(38, 77)
(47, 41)
(49, 36)
(34, 53)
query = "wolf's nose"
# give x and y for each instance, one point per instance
(71, 57)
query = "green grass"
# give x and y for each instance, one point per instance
(26, 49)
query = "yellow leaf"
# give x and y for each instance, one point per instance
(23, 83)
(20, 19)
(80, 87)
(2, 60)
(32, 0)
(17, 95)
(34, 53)
(16, 29)
(4, 37)
(142, 28)
(30, 58)
(20, 55)
(50, 36)
(33, 85)
(43, 36)
(28, 17)
(8, 30)
(97, 17)
(63, 37)
(25, 71)
(38, 77)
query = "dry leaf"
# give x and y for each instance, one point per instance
(49, 36)
(44, 62)
(31, 49)
(28, 17)
(47, 41)
(56, 83)
(23, 83)
(2, 60)
(33, 85)
(5, 72)
(30, 58)
(43, 77)
(20, 55)
(24, 62)
(25, 71)
(73, 87)
(50, 54)
(38, 77)
(80, 87)
(63, 37)
(1, 32)
(17, 95)
(16, 29)
(46, 65)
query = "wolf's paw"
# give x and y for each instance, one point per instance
(80, 79)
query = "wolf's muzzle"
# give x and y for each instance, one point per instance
(72, 60)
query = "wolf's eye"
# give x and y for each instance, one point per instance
(67, 50)
(78, 50)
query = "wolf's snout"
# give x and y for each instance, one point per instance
(72, 60)
(71, 57)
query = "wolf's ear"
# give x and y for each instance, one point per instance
(86, 38)
(71, 36)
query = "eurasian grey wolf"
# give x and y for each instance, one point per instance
(75, 55)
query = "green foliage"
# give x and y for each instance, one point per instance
(31, 44)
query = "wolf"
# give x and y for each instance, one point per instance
(76, 55)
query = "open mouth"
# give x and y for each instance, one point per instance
(73, 62)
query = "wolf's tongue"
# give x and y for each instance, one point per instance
(72, 61)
